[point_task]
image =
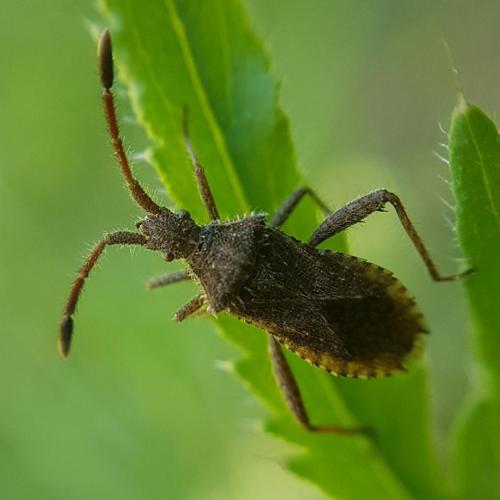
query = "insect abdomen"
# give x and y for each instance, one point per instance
(339, 312)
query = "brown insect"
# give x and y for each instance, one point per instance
(341, 313)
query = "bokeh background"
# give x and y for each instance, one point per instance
(144, 408)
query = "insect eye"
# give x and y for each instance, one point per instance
(138, 224)
(168, 256)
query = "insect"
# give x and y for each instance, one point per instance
(343, 314)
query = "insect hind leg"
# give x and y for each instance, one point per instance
(358, 209)
(293, 398)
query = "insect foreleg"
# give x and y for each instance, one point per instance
(191, 307)
(358, 209)
(292, 201)
(167, 279)
(293, 398)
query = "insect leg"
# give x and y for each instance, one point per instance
(199, 172)
(191, 307)
(290, 203)
(293, 398)
(358, 209)
(167, 279)
(118, 238)
(106, 72)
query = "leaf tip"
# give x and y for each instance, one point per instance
(462, 106)
(461, 101)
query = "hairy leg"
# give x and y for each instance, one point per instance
(167, 279)
(293, 398)
(191, 307)
(358, 209)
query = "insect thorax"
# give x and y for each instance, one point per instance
(225, 257)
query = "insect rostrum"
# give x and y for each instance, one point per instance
(336, 311)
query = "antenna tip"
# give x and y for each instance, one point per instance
(106, 60)
(65, 334)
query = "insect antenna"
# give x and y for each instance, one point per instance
(138, 193)
(107, 75)
(66, 328)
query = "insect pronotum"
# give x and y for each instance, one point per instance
(343, 314)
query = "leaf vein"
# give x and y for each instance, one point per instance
(484, 174)
(219, 140)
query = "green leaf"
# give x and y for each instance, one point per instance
(205, 55)
(475, 167)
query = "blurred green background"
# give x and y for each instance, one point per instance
(143, 409)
